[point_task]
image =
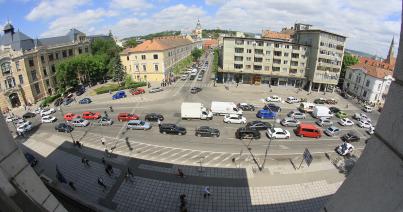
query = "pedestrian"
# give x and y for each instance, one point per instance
(237, 84)
(180, 173)
(161, 84)
(87, 162)
(129, 171)
(109, 166)
(71, 184)
(110, 108)
(101, 182)
(347, 105)
(110, 92)
(108, 172)
(103, 141)
(106, 114)
(103, 161)
(83, 160)
(206, 191)
(159, 122)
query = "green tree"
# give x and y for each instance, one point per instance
(118, 71)
(348, 60)
(196, 54)
(108, 51)
(215, 61)
(131, 43)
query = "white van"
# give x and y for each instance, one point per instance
(368, 108)
(306, 107)
(321, 111)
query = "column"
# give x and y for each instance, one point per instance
(320, 85)
(310, 86)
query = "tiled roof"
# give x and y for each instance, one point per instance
(376, 63)
(159, 44)
(373, 71)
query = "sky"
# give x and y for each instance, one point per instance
(368, 24)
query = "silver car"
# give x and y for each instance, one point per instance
(324, 122)
(296, 114)
(289, 122)
(138, 125)
(105, 121)
(332, 131)
(155, 90)
(79, 122)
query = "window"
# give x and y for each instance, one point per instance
(259, 43)
(238, 66)
(285, 69)
(248, 59)
(17, 65)
(267, 52)
(294, 55)
(350, 75)
(37, 89)
(31, 62)
(294, 63)
(53, 69)
(127, 58)
(44, 72)
(86, 49)
(21, 78)
(137, 67)
(287, 46)
(257, 68)
(42, 59)
(267, 68)
(258, 59)
(249, 51)
(277, 53)
(364, 94)
(248, 67)
(286, 54)
(285, 62)
(238, 50)
(276, 68)
(57, 55)
(50, 57)
(156, 67)
(144, 67)
(70, 52)
(277, 61)
(277, 45)
(64, 53)
(10, 82)
(143, 57)
(238, 58)
(80, 50)
(6, 68)
(239, 42)
(155, 57)
(293, 71)
(367, 83)
(258, 51)
(267, 59)
(33, 75)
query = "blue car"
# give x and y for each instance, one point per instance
(119, 95)
(85, 101)
(266, 114)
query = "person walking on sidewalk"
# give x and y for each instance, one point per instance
(108, 172)
(71, 184)
(183, 201)
(180, 173)
(101, 182)
(129, 171)
(103, 161)
(206, 192)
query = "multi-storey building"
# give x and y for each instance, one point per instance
(28, 66)
(153, 60)
(325, 56)
(367, 82)
(256, 61)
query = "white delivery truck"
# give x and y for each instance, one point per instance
(224, 108)
(321, 111)
(194, 110)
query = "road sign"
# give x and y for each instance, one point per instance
(307, 157)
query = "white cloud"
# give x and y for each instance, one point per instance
(50, 8)
(214, 2)
(135, 5)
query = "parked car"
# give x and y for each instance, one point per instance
(364, 123)
(200, 77)
(266, 114)
(296, 114)
(291, 100)
(234, 119)
(307, 130)
(367, 108)
(246, 107)
(195, 90)
(137, 91)
(48, 119)
(334, 110)
(341, 114)
(127, 117)
(105, 121)
(278, 133)
(90, 115)
(85, 101)
(20, 121)
(273, 98)
(344, 149)
(79, 122)
(58, 102)
(80, 92)
(67, 101)
(31, 159)
(155, 90)
(119, 95)
(172, 129)
(272, 107)
(332, 131)
(371, 130)
(25, 127)
(331, 101)
(154, 117)
(138, 125)
(289, 122)
(359, 116)
(247, 133)
(11, 118)
(28, 115)
(346, 122)
(350, 137)
(319, 101)
(324, 122)
(259, 125)
(70, 116)
(206, 131)
(38, 110)
(63, 127)
(184, 77)
(47, 111)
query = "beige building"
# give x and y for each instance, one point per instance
(28, 66)
(153, 60)
(263, 61)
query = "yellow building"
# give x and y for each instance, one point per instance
(153, 60)
(28, 66)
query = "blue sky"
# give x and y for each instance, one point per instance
(368, 24)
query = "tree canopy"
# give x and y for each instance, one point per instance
(131, 43)
(196, 54)
(348, 60)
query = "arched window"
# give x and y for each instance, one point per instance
(5, 68)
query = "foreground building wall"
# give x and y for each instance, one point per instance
(376, 182)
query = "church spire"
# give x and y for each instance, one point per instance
(390, 58)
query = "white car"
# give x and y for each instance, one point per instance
(20, 121)
(291, 100)
(273, 98)
(344, 149)
(11, 118)
(234, 119)
(332, 131)
(371, 130)
(79, 122)
(38, 110)
(24, 127)
(364, 124)
(324, 122)
(278, 133)
(367, 108)
(48, 119)
(346, 122)
(184, 77)
(47, 111)
(359, 116)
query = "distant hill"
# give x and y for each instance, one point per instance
(362, 54)
(214, 33)
(153, 35)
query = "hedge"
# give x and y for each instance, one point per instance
(116, 87)
(49, 100)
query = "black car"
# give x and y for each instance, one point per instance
(350, 137)
(154, 117)
(247, 133)
(334, 110)
(28, 115)
(195, 90)
(80, 91)
(206, 131)
(172, 129)
(319, 101)
(63, 127)
(85, 101)
(272, 107)
(31, 159)
(67, 101)
(259, 125)
(246, 107)
(58, 102)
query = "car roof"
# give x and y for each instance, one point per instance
(233, 115)
(278, 129)
(134, 121)
(333, 127)
(204, 127)
(308, 126)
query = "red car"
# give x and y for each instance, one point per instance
(91, 115)
(127, 117)
(70, 116)
(137, 91)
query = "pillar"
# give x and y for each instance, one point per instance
(320, 85)
(310, 86)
